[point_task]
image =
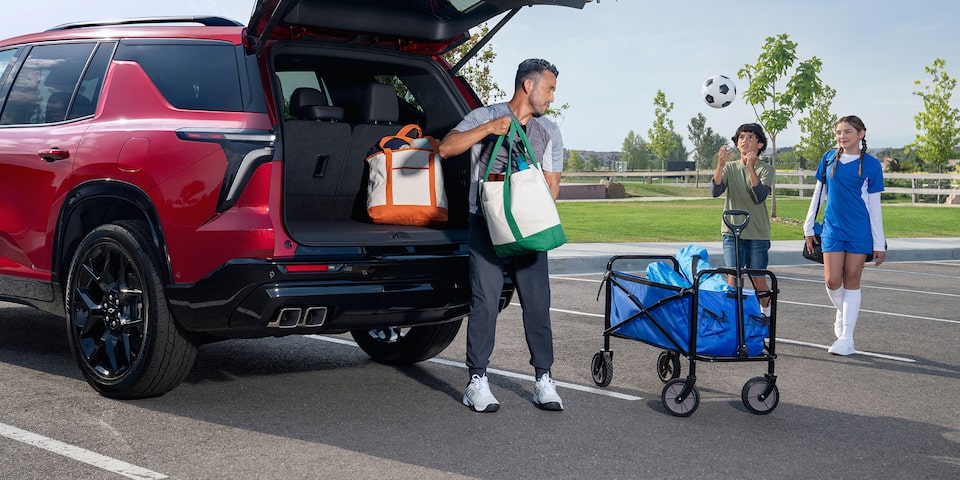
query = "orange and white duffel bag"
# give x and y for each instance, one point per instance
(405, 185)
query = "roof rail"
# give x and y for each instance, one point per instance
(208, 21)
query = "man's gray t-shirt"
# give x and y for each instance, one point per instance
(544, 136)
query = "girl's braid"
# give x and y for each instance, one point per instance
(863, 151)
(836, 160)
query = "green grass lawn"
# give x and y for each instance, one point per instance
(699, 220)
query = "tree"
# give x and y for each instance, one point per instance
(779, 105)
(663, 139)
(706, 143)
(713, 144)
(679, 152)
(635, 152)
(816, 129)
(575, 162)
(593, 163)
(900, 159)
(788, 159)
(477, 70)
(557, 114)
(938, 125)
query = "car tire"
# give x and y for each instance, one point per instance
(121, 331)
(403, 346)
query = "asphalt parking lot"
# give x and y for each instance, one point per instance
(317, 407)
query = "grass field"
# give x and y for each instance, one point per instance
(699, 220)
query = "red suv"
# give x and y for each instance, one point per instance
(164, 184)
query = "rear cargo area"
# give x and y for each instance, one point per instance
(339, 103)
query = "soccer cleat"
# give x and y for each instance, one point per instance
(843, 346)
(478, 397)
(545, 394)
(838, 325)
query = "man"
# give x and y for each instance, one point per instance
(747, 182)
(535, 83)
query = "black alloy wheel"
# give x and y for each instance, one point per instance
(122, 334)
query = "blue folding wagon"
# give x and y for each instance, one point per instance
(688, 310)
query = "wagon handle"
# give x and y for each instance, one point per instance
(736, 227)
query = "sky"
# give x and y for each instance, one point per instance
(613, 56)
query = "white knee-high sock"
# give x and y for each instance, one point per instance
(836, 296)
(851, 309)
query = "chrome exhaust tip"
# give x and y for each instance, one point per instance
(314, 317)
(287, 318)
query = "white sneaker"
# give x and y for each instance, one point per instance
(545, 394)
(843, 346)
(838, 324)
(478, 396)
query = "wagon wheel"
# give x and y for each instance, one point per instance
(668, 366)
(752, 390)
(601, 367)
(676, 408)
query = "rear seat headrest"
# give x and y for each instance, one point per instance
(379, 104)
(321, 112)
(310, 104)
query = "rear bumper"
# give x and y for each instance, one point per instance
(249, 298)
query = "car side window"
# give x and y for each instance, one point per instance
(192, 75)
(292, 80)
(6, 56)
(411, 111)
(85, 102)
(7, 59)
(45, 84)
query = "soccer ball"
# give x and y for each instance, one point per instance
(718, 91)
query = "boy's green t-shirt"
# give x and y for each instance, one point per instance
(739, 196)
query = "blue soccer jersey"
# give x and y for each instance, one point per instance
(847, 216)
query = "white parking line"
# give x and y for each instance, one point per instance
(873, 287)
(920, 274)
(575, 279)
(859, 352)
(903, 315)
(796, 279)
(505, 373)
(571, 386)
(797, 342)
(79, 454)
(599, 315)
(918, 317)
(948, 264)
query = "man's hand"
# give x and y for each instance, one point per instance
(457, 142)
(499, 126)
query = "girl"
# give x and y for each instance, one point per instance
(851, 182)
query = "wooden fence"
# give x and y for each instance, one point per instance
(921, 184)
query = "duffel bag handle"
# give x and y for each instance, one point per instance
(407, 134)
